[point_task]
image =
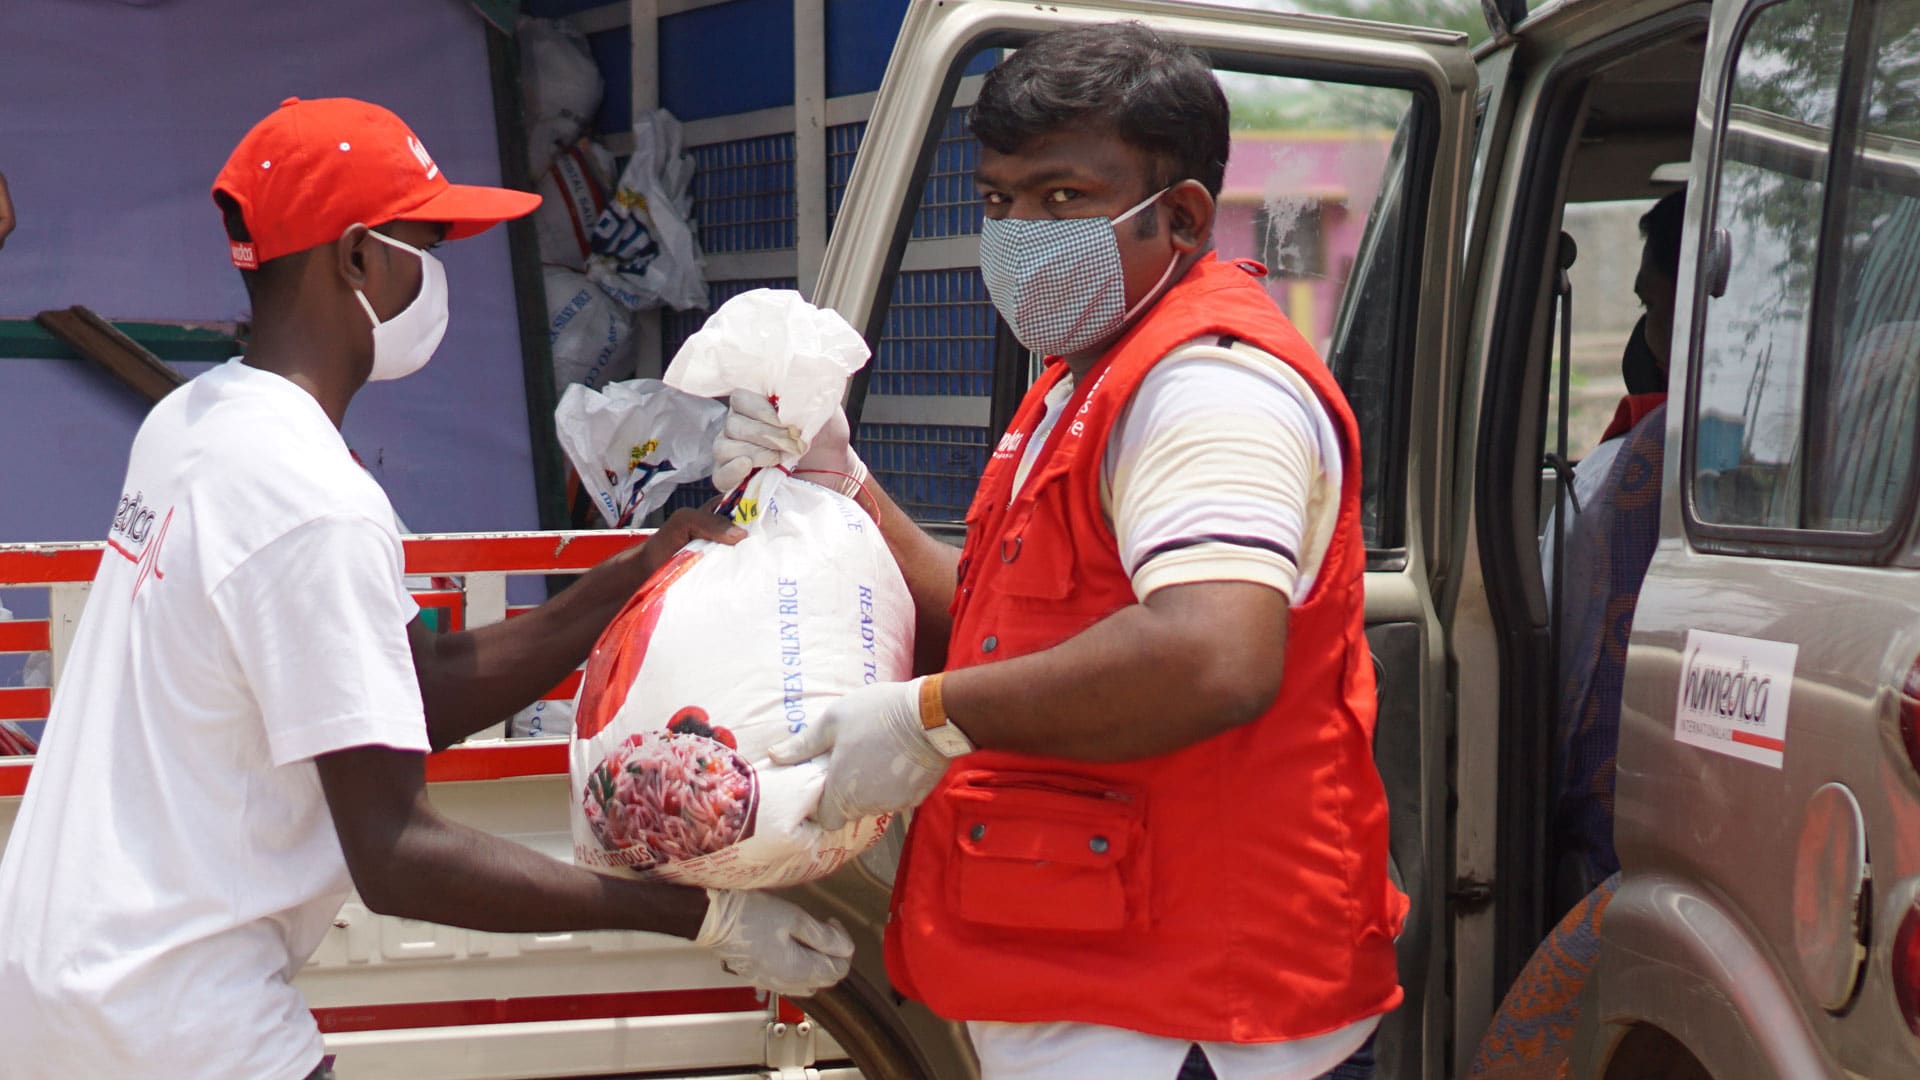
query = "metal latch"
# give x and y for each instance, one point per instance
(1470, 894)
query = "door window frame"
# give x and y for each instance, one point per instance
(1773, 541)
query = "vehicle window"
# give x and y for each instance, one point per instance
(1866, 407)
(1312, 192)
(1305, 176)
(1749, 401)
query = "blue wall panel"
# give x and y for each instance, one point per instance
(613, 52)
(860, 36)
(729, 58)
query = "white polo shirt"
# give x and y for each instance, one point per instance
(174, 862)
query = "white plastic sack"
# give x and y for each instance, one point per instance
(772, 342)
(560, 86)
(573, 192)
(589, 335)
(542, 718)
(725, 652)
(645, 254)
(728, 650)
(632, 443)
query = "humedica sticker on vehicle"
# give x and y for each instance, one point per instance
(1733, 696)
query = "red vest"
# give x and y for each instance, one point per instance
(1235, 890)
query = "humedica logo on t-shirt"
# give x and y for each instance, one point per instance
(137, 533)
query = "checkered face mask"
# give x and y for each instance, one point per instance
(1060, 284)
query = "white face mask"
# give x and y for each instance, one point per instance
(403, 344)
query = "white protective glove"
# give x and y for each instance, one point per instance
(773, 944)
(754, 438)
(881, 759)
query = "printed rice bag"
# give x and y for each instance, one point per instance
(723, 653)
(573, 191)
(589, 336)
(632, 443)
(645, 253)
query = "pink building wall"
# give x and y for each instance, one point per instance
(1288, 173)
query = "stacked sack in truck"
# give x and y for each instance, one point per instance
(608, 250)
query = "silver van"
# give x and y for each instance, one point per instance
(1767, 920)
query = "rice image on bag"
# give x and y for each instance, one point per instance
(669, 796)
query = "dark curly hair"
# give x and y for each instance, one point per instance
(1158, 96)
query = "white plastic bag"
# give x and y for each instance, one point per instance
(645, 254)
(560, 86)
(632, 443)
(541, 718)
(573, 192)
(589, 336)
(728, 650)
(772, 342)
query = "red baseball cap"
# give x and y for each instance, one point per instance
(311, 169)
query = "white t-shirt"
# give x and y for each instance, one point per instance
(174, 862)
(1224, 467)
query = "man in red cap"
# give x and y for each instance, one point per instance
(242, 726)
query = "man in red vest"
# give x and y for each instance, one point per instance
(1150, 834)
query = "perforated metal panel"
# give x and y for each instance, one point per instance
(843, 143)
(743, 194)
(948, 203)
(938, 337)
(930, 470)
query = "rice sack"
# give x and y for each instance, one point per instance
(725, 652)
(728, 650)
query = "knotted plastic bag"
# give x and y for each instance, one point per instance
(632, 443)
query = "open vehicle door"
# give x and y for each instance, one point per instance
(1349, 178)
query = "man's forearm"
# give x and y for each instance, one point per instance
(447, 873)
(1192, 662)
(929, 565)
(409, 861)
(477, 678)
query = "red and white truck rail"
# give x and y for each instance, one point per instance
(402, 998)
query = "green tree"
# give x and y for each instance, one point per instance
(1264, 103)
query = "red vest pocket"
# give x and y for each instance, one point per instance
(1042, 852)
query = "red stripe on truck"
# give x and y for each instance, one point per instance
(537, 553)
(25, 702)
(24, 635)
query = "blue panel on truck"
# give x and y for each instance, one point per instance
(948, 204)
(613, 53)
(929, 469)
(860, 35)
(743, 194)
(939, 336)
(728, 58)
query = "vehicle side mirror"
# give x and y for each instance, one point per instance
(1719, 263)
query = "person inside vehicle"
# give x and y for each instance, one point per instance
(1155, 667)
(242, 728)
(1643, 364)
